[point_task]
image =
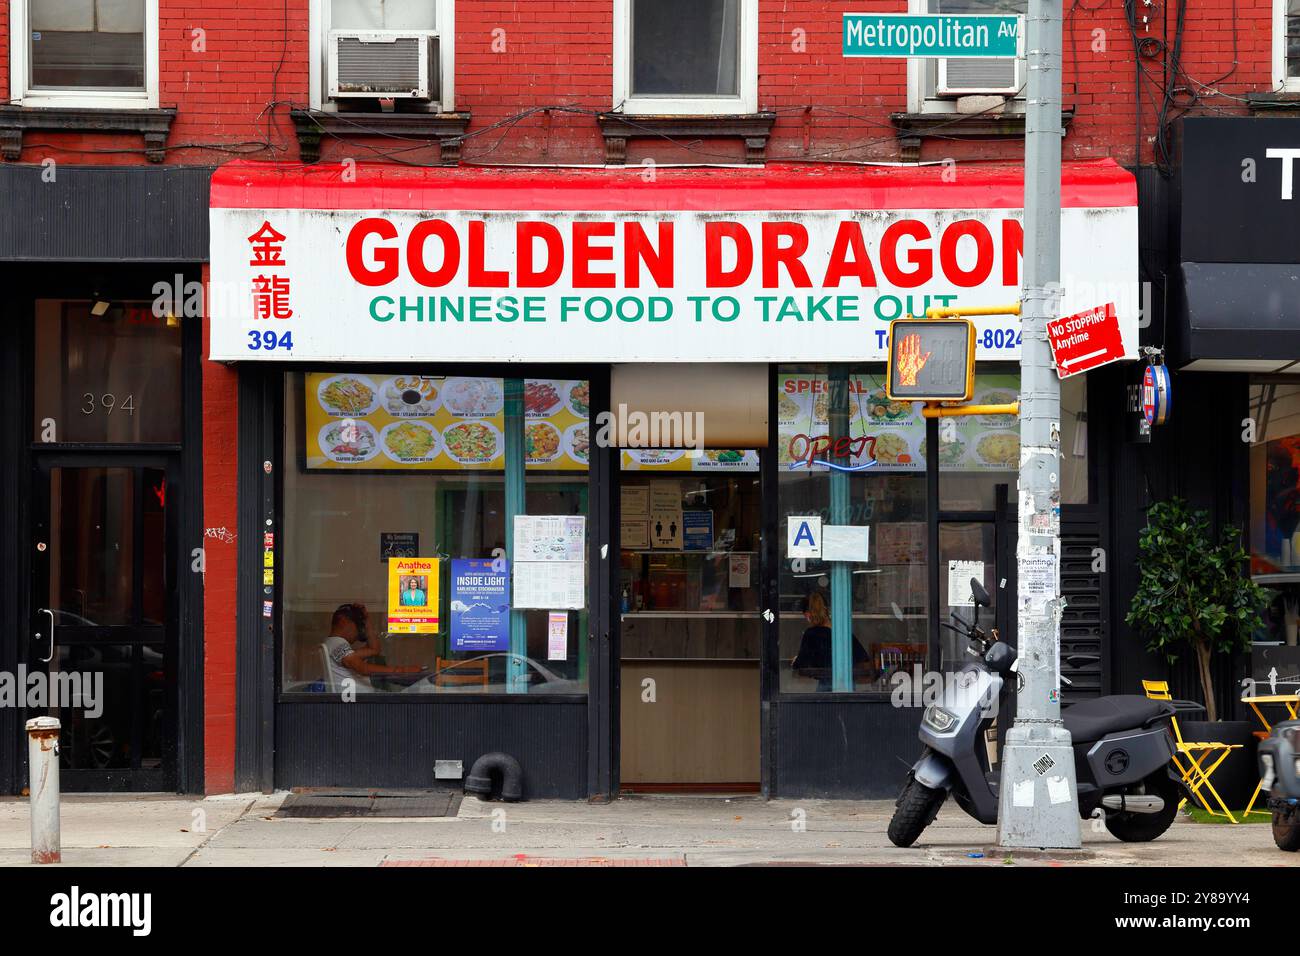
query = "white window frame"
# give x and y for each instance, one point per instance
(1281, 82)
(318, 25)
(22, 94)
(917, 99)
(746, 68)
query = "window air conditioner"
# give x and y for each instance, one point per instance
(960, 76)
(383, 64)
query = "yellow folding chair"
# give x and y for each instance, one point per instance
(1194, 768)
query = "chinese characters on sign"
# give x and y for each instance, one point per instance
(270, 288)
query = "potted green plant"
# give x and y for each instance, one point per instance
(1194, 592)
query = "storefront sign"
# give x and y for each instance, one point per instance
(1156, 394)
(480, 605)
(413, 596)
(1086, 340)
(763, 266)
(929, 34)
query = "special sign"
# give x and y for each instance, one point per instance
(586, 283)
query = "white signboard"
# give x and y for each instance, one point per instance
(586, 285)
(845, 542)
(959, 575)
(549, 537)
(550, 584)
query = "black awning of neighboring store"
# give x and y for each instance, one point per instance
(1237, 315)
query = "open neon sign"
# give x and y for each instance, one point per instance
(811, 448)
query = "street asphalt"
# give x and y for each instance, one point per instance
(241, 830)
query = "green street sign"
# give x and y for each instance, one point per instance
(933, 34)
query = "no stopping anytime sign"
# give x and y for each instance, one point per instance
(1085, 340)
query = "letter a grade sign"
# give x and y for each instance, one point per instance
(931, 360)
(803, 536)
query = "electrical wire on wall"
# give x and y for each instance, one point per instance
(1157, 74)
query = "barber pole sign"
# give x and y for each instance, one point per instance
(1086, 340)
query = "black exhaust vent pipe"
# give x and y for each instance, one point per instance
(502, 766)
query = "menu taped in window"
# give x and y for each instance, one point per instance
(434, 423)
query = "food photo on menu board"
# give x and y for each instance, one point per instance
(428, 423)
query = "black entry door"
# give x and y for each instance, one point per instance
(103, 623)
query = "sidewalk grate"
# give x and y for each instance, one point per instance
(373, 804)
(523, 859)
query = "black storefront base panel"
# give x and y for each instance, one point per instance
(383, 744)
(846, 749)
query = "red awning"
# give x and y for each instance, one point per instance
(790, 186)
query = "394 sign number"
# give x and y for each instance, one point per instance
(269, 341)
(107, 402)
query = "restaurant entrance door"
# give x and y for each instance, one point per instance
(691, 621)
(103, 624)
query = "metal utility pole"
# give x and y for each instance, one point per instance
(1038, 795)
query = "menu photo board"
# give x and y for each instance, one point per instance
(883, 434)
(983, 442)
(411, 422)
(689, 459)
(891, 433)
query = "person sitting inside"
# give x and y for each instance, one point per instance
(367, 643)
(345, 662)
(814, 657)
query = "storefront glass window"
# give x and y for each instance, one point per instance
(388, 469)
(850, 457)
(979, 453)
(106, 372)
(1275, 501)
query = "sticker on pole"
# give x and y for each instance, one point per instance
(1086, 340)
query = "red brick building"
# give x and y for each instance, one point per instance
(116, 116)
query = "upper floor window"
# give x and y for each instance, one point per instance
(85, 52)
(1286, 45)
(937, 84)
(688, 57)
(370, 51)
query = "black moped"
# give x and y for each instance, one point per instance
(1122, 748)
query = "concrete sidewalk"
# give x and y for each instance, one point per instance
(116, 830)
